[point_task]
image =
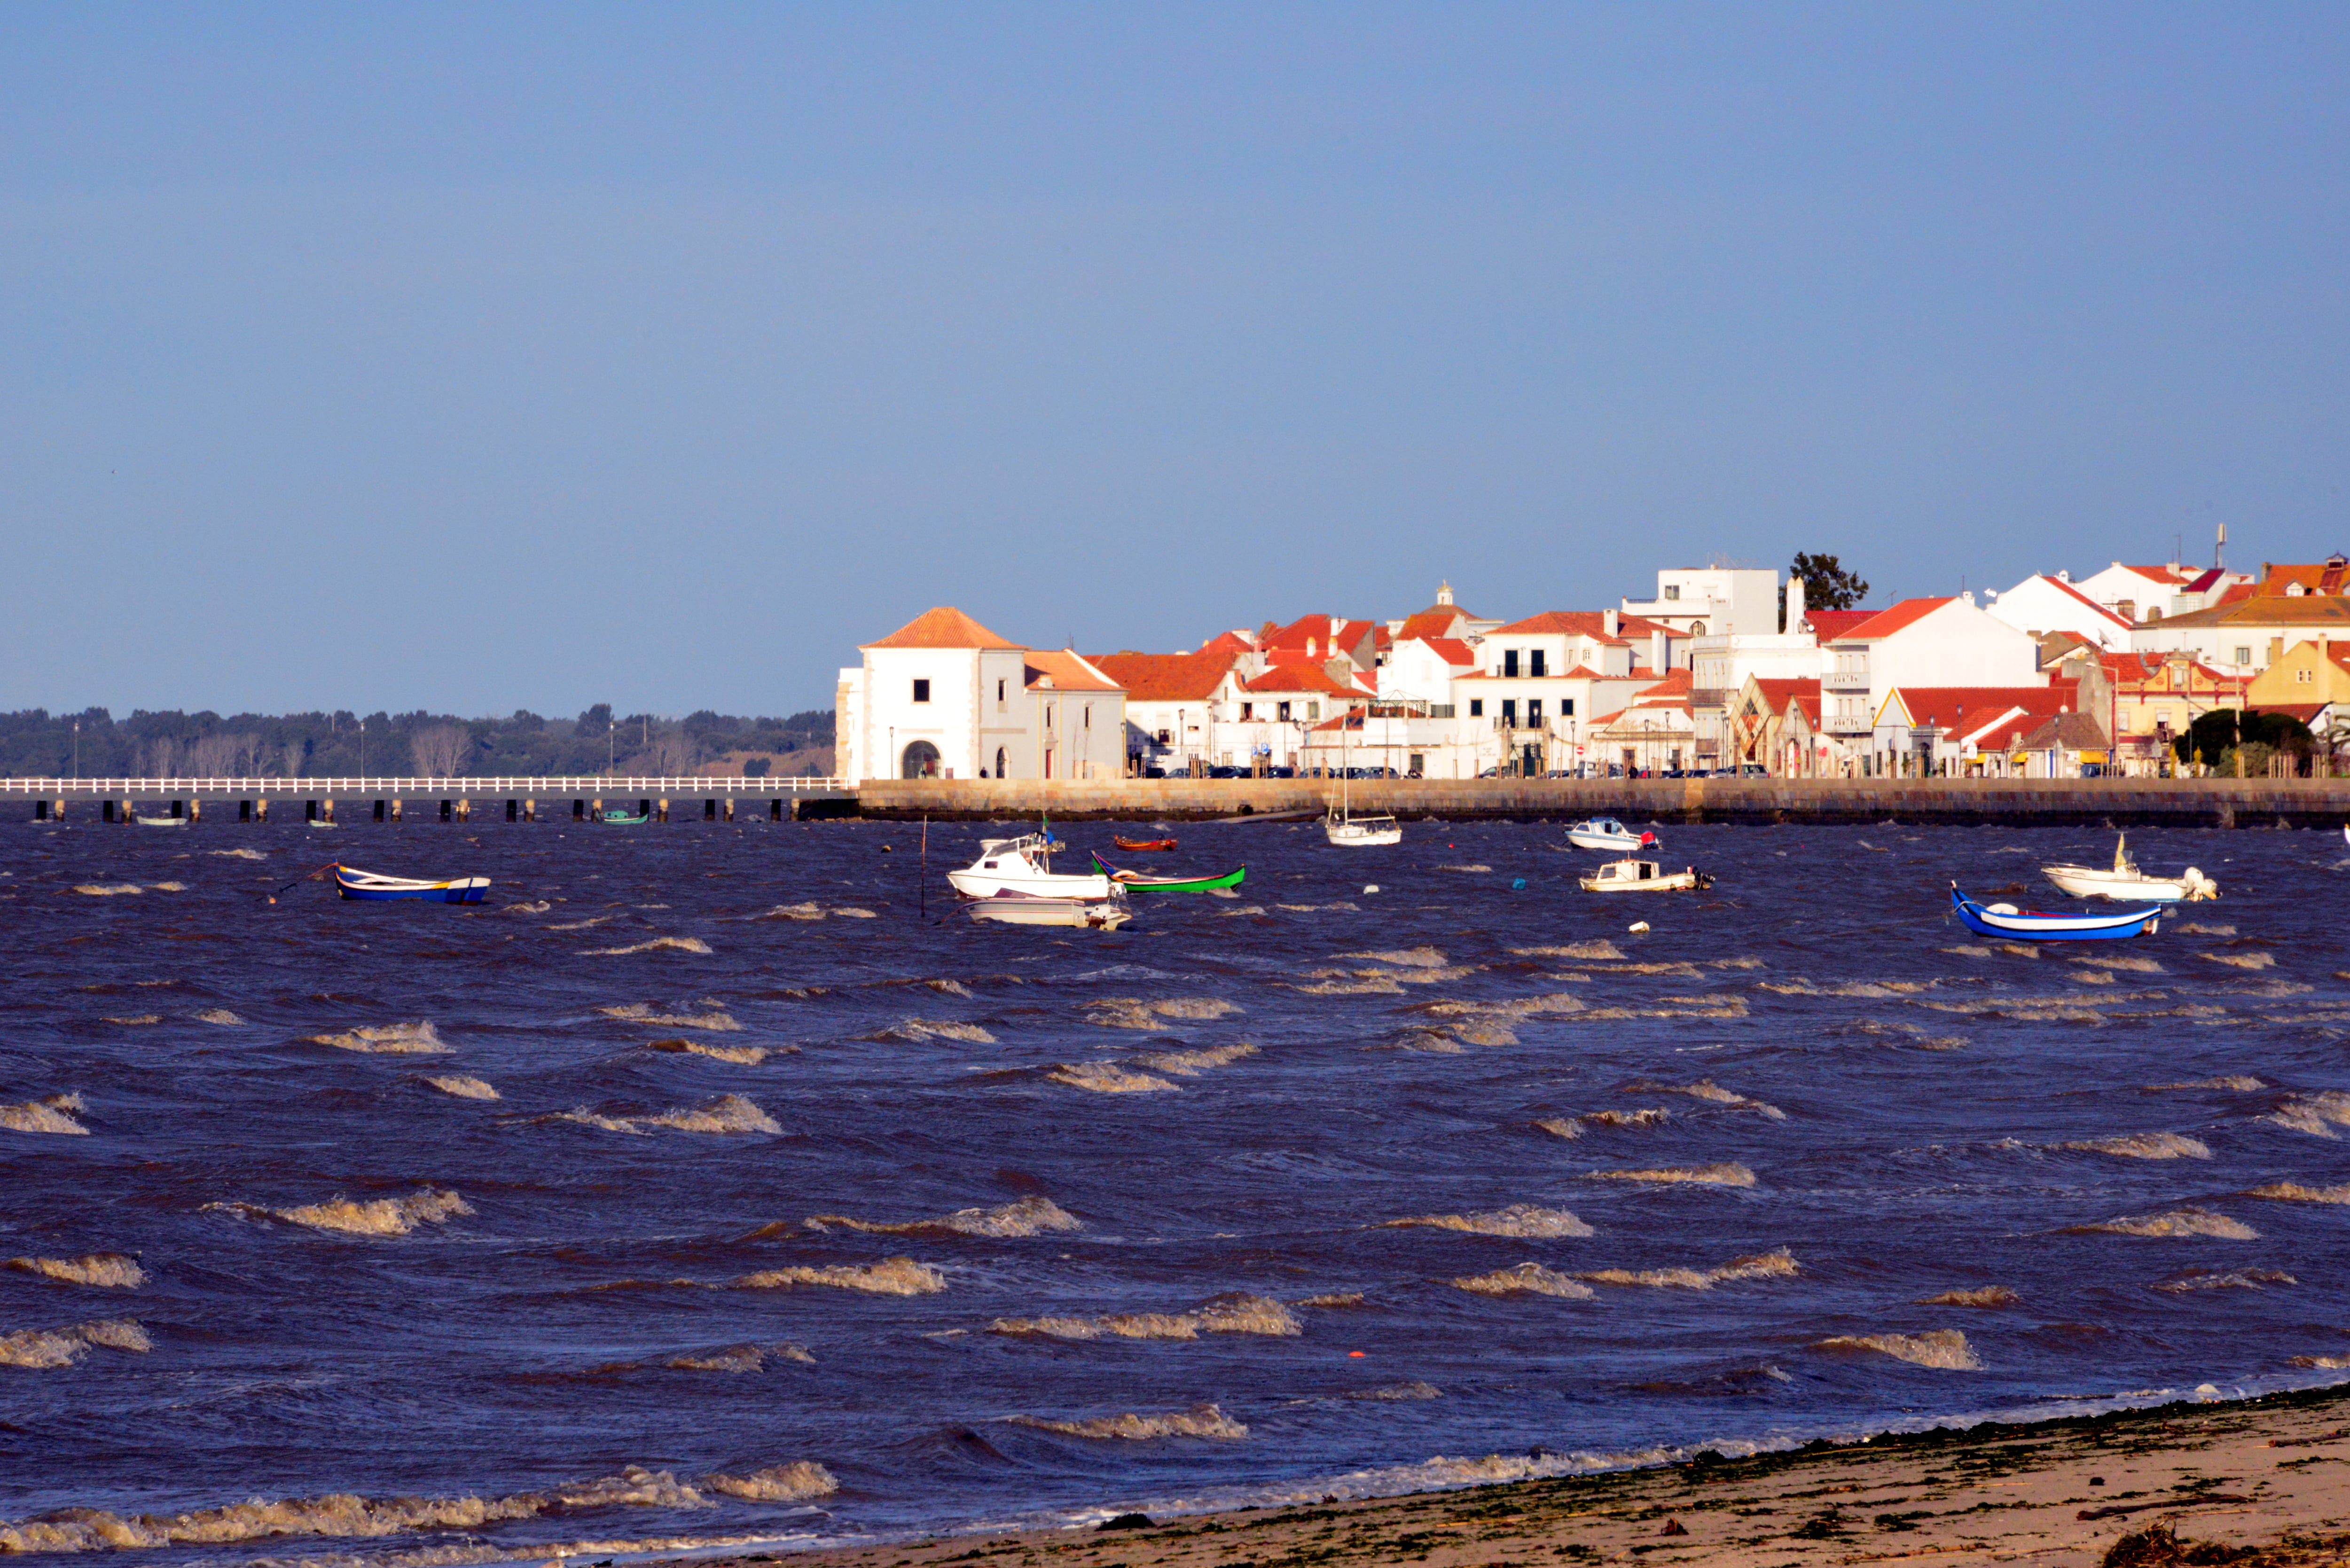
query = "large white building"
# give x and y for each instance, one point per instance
(1937, 642)
(943, 697)
(1702, 601)
(2042, 604)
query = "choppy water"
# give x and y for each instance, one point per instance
(605, 1214)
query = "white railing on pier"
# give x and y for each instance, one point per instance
(469, 787)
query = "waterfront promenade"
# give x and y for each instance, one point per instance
(2178, 803)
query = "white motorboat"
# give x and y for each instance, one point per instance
(160, 821)
(1342, 826)
(1079, 914)
(2127, 881)
(1630, 876)
(1015, 868)
(1607, 833)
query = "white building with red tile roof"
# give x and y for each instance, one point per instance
(2043, 603)
(1943, 642)
(1700, 601)
(944, 697)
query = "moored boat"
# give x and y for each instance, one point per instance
(160, 821)
(1607, 833)
(2033, 926)
(1137, 882)
(1140, 846)
(1022, 868)
(616, 817)
(1630, 876)
(2127, 881)
(375, 888)
(1076, 914)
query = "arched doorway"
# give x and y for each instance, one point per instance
(999, 762)
(922, 761)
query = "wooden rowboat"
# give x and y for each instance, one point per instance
(1135, 882)
(370, 886)
(615, 817)
(2032, 926)
(1137, 845)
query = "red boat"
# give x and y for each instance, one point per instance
(1134, 844)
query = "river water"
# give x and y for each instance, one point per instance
(698, 1190)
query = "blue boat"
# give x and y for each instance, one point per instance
(374, 887)
(2032, 926)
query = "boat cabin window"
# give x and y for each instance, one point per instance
(922, 690)
(1646, 870)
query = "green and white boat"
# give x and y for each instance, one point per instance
(1137, 882)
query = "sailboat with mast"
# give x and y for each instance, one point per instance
(1342, 825)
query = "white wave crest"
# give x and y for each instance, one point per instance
(2145, 1146)
(1199, 1421)
(1526, 1279)
(2195, 1279)
(45, 1349)
(1779, 1264)
(1983, 1296)
(1031, 1216)
(741, 1055)
(45, 1115)
(1943, 1349)
(2242, 961)
(240, 854)
(2294, 1192)
(1134, 1012)
(655, 945)
(889, 1277)
(1238, 1312)
(1714, 1094)
(2174, 1223)
(727, 1114)
(417, 1039)
(713, 1018)
(2317, 1114)
(1524, 1220)
(792, 912)
(2239, 1082)
(1397, 1393)
(220, 1015)
(1191, 1064)
(136, 1019)
(795, 1482)
(106, 891)
(1405, 958)
(1106, 1078)
(103, 1271)
(944, 1029)
(1727, 1174)
(1591, 952)
(464, 1087)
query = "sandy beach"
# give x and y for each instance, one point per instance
(2257, 1482)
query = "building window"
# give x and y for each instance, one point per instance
(2243, 656)
(919, 761)
(1476, 707)
(922, 690)
(2301, 677)
(1533, 714)
(1089, 716)
(1510, 712)
(999, 698)
(1312, 711)
(999, 762)
(1673, 591)
(1509, 664)
(1165, 737)
(1566, 708)
(1048, 715)
(1534, 661)
(1248, 712)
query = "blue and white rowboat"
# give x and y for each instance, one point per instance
(371, 885)
(1607, 833)
(2030, 926)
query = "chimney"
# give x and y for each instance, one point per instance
(1967, 595)
(2063, 573)
(1659, 649)
(1794, 606)
(1611, 622)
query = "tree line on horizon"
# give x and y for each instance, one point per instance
(36, 743)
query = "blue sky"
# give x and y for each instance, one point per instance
(482, 358)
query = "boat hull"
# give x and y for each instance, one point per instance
(1672, 882)
(1135, 882)
(1075, 914)
(368, 888)
(1363, 832)
(161, 821)
(1028, 885)
(2030, 926)
(2088, 882)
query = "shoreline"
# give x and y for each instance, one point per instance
(2262, 1481)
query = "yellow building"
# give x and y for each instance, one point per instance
(2302, 679)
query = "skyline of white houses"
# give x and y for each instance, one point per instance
(1719, 669)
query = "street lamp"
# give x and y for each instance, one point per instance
(611, 746)
(76, 762)
(363, 750)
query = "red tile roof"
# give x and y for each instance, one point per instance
(1673, 692)
(1573, 623)
(1167, 677)
(1884, 623)
(944, 626)
(1452, 650)
(1829, 625)
(1229, 642)
(1068, 671)
(1302, 678)
(1778, 693)
(1944, 705)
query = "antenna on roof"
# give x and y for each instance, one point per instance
(2219, 550)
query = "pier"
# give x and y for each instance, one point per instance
(448, 799)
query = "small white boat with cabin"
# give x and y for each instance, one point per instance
(2127, 881)
(1607, 833)
(1630, 876)
(1076, 914)
(1016, 868)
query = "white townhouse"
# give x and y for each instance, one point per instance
(1700, 601)
(2139, 594)
(2042, 604)
(943, 697)
(1528, 705)
(1721, 663)
(1937, 642)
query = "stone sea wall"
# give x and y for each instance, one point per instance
(2184, 802)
